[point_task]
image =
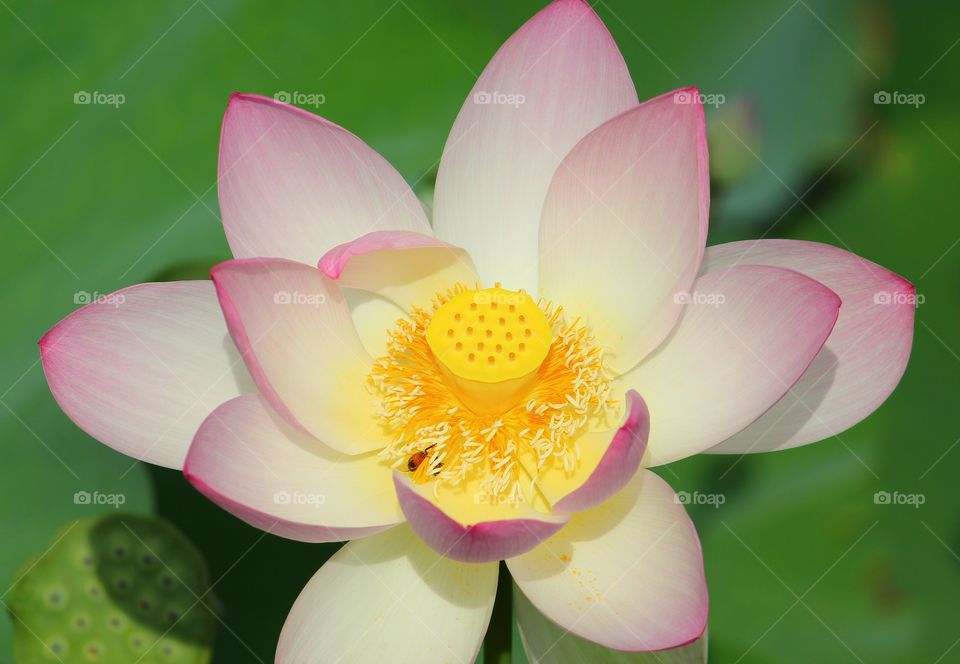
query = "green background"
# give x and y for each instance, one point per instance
(802, 565)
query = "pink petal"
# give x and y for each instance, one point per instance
(292, 184)
(862, 360)
(747, 335)
(406, 268)
(258, 467)
(558, 77)
(625, 221)
(294, 330)
(460, 526)
(627, 574)
(608, 461)
(389, 598)
(141, 368)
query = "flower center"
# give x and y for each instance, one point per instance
(489, 388)
(490, 344)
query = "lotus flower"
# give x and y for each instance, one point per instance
(494, 385)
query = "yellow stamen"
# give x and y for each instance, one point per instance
(500, 422)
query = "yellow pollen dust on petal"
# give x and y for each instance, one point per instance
(490, 387)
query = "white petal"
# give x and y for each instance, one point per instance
(558, 77)
(258, 467)
(625, 223)
(293, 185)
(547, 643)
(141, 368)
(747, 334)
(294, 329)
(627, 574)
(863, 359)
(390, 598)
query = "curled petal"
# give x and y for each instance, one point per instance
(608, 461)
(465, 527)
(406, 268)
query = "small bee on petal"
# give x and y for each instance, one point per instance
(417, 458)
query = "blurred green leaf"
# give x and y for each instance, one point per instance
(785, 78)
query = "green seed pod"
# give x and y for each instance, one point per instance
(114, 590)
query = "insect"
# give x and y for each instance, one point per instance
(417, 458)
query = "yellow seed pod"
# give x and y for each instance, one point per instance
(491, 343)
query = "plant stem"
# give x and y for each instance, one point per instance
(497, 643)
